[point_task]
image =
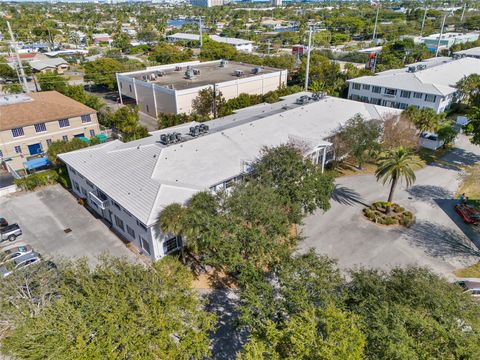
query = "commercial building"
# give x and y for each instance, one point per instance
(128, 184)
(473, 52)
(206, 3)
(238, 44)
(29, 124)
(172, 88)
(430, 83)
(447, 40)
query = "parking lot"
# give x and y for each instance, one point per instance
(55, 225)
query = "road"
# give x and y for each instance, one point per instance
(438, 238)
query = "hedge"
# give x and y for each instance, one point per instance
(31, 182)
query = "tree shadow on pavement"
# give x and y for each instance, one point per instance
(429, 193)
(457, 158)
(227, 340)
(439, 241)
(346, 196)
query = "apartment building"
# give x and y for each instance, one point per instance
(206, 3)
(172, 88)
(30, 123)
(238, 44)
(430, 83)
(128, 184)
(447, 40)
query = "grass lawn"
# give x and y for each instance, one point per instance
(430, 156)
(469, 272)
(471, 185)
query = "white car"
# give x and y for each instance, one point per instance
(19, 263)
(14, 252)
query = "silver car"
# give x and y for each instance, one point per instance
(14, 252)
(19, 263)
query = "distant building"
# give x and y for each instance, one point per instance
(29, 124)
(427, 84)
(206, 3)
(172, 88)
(473, 52)
(448, 40)
(238, 44)
(129, 184)
(102, 38)
(49, 65)
(276, 2)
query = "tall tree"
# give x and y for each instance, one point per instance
(52, 81)
(102, 72)
(208, 103)
(147, 312)
(395, 165)
(425, 119)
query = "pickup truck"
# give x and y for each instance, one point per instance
(10, 232)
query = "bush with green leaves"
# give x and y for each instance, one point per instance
(33, 181)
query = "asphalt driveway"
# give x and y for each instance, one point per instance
(438, 238)
(55, 225)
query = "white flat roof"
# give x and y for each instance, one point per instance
(196, 37)
(469, 52)
(144, 176)
(439, 79)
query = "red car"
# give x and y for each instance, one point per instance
(3, 222)
(468, 213)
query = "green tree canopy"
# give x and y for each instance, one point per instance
(425, 119)
(469, 90)
(121, 41)
(125, 120)
(60, 147)
(300, 184)
(102, 72)
(169, 54)
(207, 103)
(52, 81)
(147, 312)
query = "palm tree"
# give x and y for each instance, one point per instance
(171, 220)
(394, 165)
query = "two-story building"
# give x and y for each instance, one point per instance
(128, 184)
(428, 84)
(30, 123)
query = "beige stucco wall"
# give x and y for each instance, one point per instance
(54, 132)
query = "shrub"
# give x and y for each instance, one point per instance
(31, 182)
(390, 220)
(63, 178)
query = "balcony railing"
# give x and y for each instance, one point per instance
(94, 199)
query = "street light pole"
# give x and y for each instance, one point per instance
(200, 28)
(440, 37)
(423, 21)
(20, 66)
(375, 27)
(307, 69)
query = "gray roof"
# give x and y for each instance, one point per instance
(47, 63)
(437, 80)
(469, 52)
(144, 176)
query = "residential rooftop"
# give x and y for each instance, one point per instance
(469, 52)
(145, 175)
(439, 79)
(34, 108)
(210, 73)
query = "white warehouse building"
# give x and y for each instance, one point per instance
(172, 88)
(430, 83)
(128, 184)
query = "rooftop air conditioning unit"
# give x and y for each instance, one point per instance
(412, 69)
(190, 74)
(164, 139)
(238, 73)
(196, 71)
(319, 95)
(178, 68)
(223, 63)
(421, 67)
(257, 70)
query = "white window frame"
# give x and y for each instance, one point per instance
(18, 132)
(39, 128)
(64, 121)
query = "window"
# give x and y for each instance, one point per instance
(147, 109)
(84, 192)
(92, 133)
(430, 98)
(390, 91)
(376, 101)
(376, 89)
(75, 184)
(119, 223)
(145, 245)
(126, 212)
(121, 85)
(49, 142)
(141, 225)
(130, 87)
(172, 244)
(405, 94)
(64, 123)
(365, 87)
(89, 184)
(40, 128)
(402, 106)
(72, 170)
(356, 86)
(1, 154)
(17, 132)
(18, 149)
(417, 95)
(130, 232)
(86, 118)
(65, 137)
(116, 205)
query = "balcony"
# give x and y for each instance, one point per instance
(95, 200)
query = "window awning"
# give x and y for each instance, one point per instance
(36, 163)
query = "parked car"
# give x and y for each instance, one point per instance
(468, 213)
(3, 222)
(14, 252)
(10, 232)
(19, 263)
(470, 286)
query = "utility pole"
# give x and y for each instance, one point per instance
(440, 37)
(200, 28)
(463, 12)
(307, 69)
(20, 66)
(214, 105)
(375, 27)
(423, 21)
